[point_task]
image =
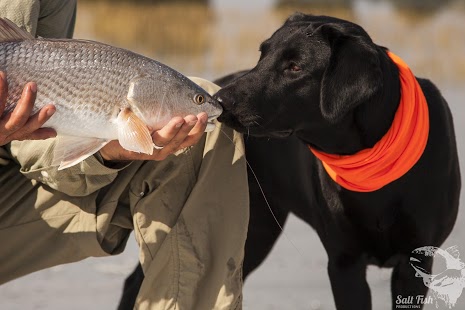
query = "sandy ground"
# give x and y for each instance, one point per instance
(289, 279)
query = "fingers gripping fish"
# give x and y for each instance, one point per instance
(101, 92)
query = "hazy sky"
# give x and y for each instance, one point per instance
(243, 4)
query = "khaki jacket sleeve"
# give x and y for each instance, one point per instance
(35, 159)
(45, 18)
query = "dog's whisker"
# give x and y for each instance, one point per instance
(262, 191)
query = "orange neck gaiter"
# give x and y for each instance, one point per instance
(397, 151)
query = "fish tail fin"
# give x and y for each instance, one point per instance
(9, 32)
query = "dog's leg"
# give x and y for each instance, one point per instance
(404, 283)
(274, 163)
(348, 282)
(131, 288)
(263, 230)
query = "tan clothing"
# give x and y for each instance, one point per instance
(189, 212)
(44, 18)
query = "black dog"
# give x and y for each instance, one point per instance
(323, 82)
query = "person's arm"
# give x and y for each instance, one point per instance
(99, 170)
(55, 18)
(44, 18)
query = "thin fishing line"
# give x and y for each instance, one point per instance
(262, 192)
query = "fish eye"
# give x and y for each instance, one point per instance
(199, 99)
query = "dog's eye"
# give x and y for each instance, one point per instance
(294, 67)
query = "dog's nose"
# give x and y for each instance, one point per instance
(219, 99)
(225, 98)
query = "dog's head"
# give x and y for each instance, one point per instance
(312, 75)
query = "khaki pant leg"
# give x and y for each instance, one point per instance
(192, 241)
(40, 228)
(190, 215)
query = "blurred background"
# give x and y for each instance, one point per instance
(213, 38)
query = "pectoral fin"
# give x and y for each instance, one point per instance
(70, 150)
(133, 134)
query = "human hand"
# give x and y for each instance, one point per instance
(179, 133)
(19, 124)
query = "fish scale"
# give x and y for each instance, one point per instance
(92, 84)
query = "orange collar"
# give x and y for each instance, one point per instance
(397, 151)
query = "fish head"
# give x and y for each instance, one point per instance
(421, 272)
(449, 267)
(198, 92)
(157, 99)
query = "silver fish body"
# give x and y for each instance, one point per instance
(92, 83)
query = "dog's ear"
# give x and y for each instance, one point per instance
(353, 74)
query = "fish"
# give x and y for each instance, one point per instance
(101, 92)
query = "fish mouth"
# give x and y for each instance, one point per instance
(210, 126)
(211, 123)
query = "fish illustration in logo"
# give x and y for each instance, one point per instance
(448, 284)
